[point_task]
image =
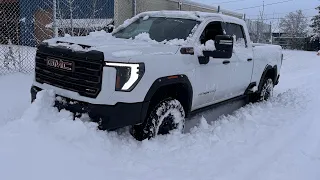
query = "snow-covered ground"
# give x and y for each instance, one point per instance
(275, 140)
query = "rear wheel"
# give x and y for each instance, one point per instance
(166, 116)
(266, 90)
(265, 93)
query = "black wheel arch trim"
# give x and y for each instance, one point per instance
(171, 80)
(264, 74)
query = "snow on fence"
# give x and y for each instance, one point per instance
(24, 23)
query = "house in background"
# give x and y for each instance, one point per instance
(78, 15)
(29, 22)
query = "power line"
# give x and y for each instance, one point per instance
(280, 2)
(281, 12)
(277, 18)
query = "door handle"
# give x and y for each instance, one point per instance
(250, 59)
(226, 62)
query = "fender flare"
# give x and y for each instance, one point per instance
(264, 74)
(170, 80)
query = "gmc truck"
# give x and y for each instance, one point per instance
(156, 70)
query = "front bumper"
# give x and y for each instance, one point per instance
(109, 117)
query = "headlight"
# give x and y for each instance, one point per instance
(128, 75)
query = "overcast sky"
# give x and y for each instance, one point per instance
(271, 11)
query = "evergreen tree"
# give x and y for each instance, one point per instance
(316, 25)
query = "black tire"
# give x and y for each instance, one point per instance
(265, 92)
(168, 115)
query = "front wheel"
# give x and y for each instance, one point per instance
(168, 115)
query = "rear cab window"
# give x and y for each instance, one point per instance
(237, 31)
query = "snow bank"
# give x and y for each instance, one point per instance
(56, 147)
(14, 97)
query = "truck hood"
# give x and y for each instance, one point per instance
(115, 49)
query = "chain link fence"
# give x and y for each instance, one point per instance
(26, 23)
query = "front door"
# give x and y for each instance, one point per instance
(213, 78)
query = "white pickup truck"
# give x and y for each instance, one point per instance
(156, 69)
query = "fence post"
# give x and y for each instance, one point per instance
(55, 27)
(134, 7)
(271, 33)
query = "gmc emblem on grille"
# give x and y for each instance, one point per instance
(60, 64)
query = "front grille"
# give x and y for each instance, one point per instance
(85, 76)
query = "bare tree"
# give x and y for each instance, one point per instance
(295, 26)
(260, 23)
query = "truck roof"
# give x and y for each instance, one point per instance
(195, 15)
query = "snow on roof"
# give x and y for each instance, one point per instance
(209, 7)
(195, 15)
(81, 23)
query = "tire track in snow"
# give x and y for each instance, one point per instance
(277, 144)
(265, 145)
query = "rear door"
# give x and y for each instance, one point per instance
(241, 65)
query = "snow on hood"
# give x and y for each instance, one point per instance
(114, 48)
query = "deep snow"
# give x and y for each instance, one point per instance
(277, 140)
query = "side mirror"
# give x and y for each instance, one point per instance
(224, 47)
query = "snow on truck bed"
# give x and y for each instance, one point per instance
(275, 140)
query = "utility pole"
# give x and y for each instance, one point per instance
(55, 27)
(180, 5)
(271, 38)
(262, 23)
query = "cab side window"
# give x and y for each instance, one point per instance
(237, 31)
(211, 31)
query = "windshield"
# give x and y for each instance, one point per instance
(159, 28)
